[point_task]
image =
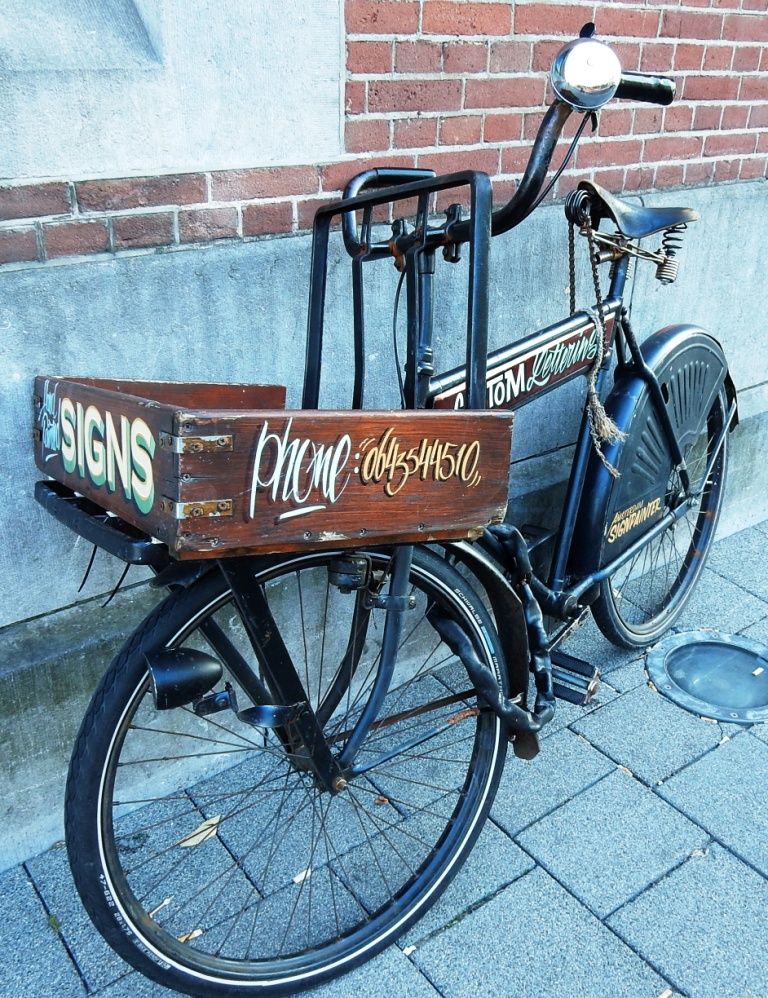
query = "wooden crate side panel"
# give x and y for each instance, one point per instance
(106, 446)
(342, 478)
(194, 395)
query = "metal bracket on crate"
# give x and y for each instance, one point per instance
(197, 445)
(196, 509)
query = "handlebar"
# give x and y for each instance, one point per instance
(646, 87)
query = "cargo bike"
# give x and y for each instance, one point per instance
(350, 617)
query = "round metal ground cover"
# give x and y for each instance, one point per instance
(723, 676)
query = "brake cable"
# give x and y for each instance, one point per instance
(394, 339)
(589, 116)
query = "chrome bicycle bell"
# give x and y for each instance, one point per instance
(585, 74)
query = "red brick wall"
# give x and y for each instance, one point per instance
(449, 84)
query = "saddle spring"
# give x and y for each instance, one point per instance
(671, 243)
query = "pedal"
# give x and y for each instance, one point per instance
(573, 679)
(569, 663)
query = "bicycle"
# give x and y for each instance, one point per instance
(382, 681)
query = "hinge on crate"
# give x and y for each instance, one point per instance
(196, 445)
(198, 508)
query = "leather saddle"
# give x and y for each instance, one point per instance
(633, 220)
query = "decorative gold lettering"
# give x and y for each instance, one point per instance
(632, 517)
(385, 460)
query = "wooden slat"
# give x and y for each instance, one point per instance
(286, 480)
(115, 460)
(194, 394)
(345, 478)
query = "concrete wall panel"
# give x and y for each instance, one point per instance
(131, 87)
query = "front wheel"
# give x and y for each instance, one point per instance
(206, 853)
(644, 597)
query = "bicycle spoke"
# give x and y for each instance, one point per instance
(228, 843)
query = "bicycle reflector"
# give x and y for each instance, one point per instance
(181, 675)
(721, 676)
(585, 74)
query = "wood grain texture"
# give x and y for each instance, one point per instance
(292, 479)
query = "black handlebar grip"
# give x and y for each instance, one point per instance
(646, 87)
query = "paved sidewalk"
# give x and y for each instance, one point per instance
(629, 859)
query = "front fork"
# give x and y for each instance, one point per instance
(304, 738)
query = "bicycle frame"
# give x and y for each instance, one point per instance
(508, 377)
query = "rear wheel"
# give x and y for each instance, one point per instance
(211, 860)
(644, 597)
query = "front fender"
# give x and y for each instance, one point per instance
(507, 612)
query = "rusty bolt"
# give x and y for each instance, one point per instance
(196, 511)
(222, 506)
(221, 442)
(196, 448)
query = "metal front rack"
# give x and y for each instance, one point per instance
(413, 252)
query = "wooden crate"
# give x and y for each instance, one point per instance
(226, 469)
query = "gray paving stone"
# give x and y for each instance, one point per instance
(391, 973)
(134, 985)
(627, 677)
(98, 963)
(373, 870)
(703, 926)
(611, 842)
(716, 602)
(529, 790)
(34, 962)
(648, 734)
(495, 861)
(742, 559)
(758, 631)
(760, 731)
(534, 939)
(725, 792)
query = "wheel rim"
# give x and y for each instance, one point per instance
(649, 592)
(189, 875)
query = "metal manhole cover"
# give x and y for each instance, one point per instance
(723, 676)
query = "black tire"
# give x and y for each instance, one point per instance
(644, 598)
(201, 874)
